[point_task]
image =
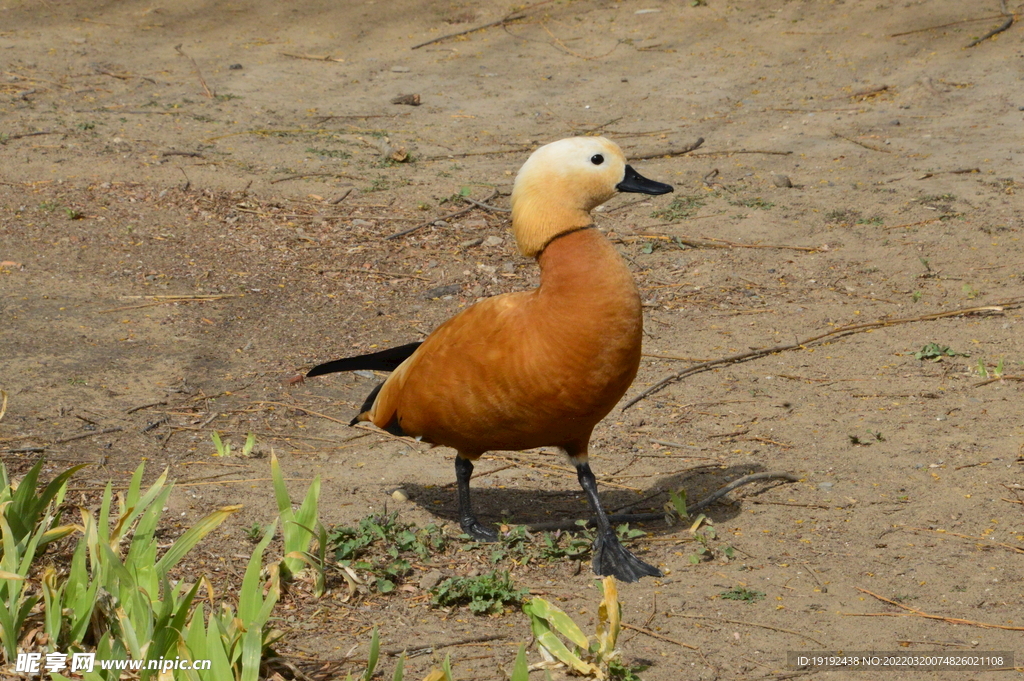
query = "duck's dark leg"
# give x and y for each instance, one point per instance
(470, 525)
(610, 556)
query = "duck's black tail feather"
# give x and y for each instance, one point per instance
(385, 360)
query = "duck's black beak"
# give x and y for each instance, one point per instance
(635, 182)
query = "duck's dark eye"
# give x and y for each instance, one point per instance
(597, 159)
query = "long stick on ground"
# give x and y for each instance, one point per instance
(998, 29)
(514, 16)
(840, 332)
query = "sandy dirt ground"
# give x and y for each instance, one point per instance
(194, 205)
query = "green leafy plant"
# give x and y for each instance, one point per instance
(842, 216)
(935, 352)
(680, 208)
(515, 545)
(618, 671)
(576, 547)
(116, 593)
(382, 545)
(223, 447)
(704, 534)
(560, 638)
(236, 641)
(443, 674)
(742, 593)
(677, 501)
(757, 203)
(297, 526)
(487, 593)
(329, 153)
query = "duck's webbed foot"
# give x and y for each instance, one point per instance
(474, 529)
(612, 558)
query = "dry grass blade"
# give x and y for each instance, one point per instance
(861, 144)
(748, 624)
(952, 23)
(311, 57)
(648, 632)
(800, 344)
(199, 74)
(982, 540)
(914, 612)
(997, 379)
(3, 405)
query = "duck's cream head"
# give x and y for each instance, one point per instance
(562, 182)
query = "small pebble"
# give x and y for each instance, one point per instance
(781, 181)
(430, 580)
(235, 67)
(400, 69)
(469, 243)
(493, 241)
(399, 495)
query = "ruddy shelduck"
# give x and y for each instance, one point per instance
(532, 368)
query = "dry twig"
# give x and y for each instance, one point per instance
(311, 57)
(952, 23)
(668, 152)
(199, 74)
(801, 344)
(747, 624)
(467, 154)
(914, 612)
(302, 175)
(648, 632)
(514, 16)
(998, 29)
(449, 216)
(105, 431)
(485, 206)
(29, 134)
(861, 144)
(983, 540)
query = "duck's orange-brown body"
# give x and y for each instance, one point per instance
(529, 369)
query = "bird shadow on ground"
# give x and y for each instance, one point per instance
(515, 503)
